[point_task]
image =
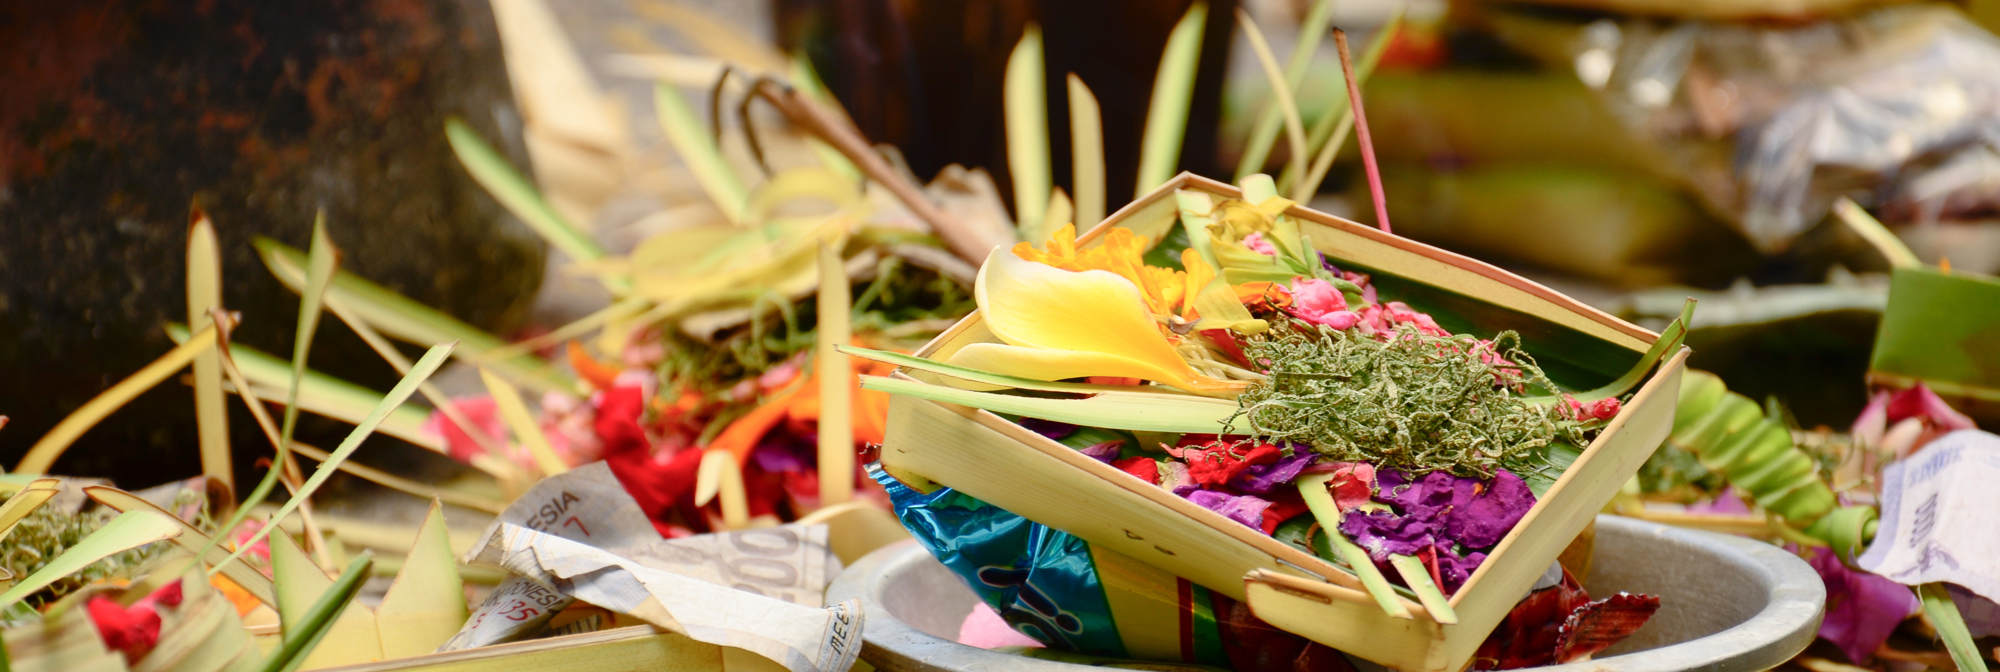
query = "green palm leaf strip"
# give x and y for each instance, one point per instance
(319, 619)
(1951, 627)
(1173, 90)
(989, 378)
(1257, 147)
(1312, 488)
(1027, 120)
(128, 531)
(516, 193)
(1133, 411)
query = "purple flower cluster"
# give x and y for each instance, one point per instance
(1454, 517)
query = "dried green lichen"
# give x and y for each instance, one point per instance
(1413, 401)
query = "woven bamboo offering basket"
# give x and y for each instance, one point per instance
(986, 456)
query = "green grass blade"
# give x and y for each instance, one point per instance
(1951, 627)
(1257, 147)
(1173, 90)
(978, 376)
(1027, 114)
(425, 367)
(126, 532)
(691, 141)
(320, 618)
(1135, 411)
(1877, 235)
(321, 394)
(1418, 578)
(1330, 131)
(1312, 488)
(1086, 141)
(211, 411)
(516, 193)
(404, 319)
(1281, 89)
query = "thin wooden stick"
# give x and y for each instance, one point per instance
(818, 121)
(1361, 132)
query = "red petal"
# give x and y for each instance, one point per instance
(1597, 625)
(1145, 468)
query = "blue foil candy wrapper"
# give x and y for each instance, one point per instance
(1052, 586)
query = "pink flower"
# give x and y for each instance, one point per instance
(571, 428)
(1862, 609)
(482, 413)
(1602, 409)
(1319, 302)
(1255, 241)
(249, 528)
(1906, 420)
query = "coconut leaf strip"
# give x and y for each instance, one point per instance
(320, 618)
(1027, 120)
(516, 193)
(508, 400)
(1877, 235)
(1951, 627)
(1086, 138)
(1418, 578)
(190, 539)
(398, 483)
(319, 393)
(1257, 147)
(404, 319)
(836, 377)
(1312, 488)
(126, 532)
(51, 446)
(1281, 90)
(978, 376)
(1670, 340)
(1330, 132)
(696, 148)
(424, 368)
(1133, 411)
(25, 502)
(1173, 90)
(211, 410)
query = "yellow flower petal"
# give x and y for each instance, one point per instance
(1034, 306)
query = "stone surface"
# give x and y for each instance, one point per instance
(119, 114)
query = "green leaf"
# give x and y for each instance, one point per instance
(128, 531)
(1669, 341)
(1951, 627)
(1257, 147)
(1086, 139)
(1173, 89)
(1027, 117)
(703, 158)
(1939, 330)
(1133, 411)
(517, 194)
(402, 318)
(320, 618)
(425, 367)
(978, 376)
(1312, 488)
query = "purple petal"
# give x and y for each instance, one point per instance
(1427, 497)
(1456, 570)
(1861, 608)
(1103, 452)
(1174, 477)
(1245, 509)
(1262, 479)
(1049, 428)
(1481, 520)
(1726, 501)
(1384, 533)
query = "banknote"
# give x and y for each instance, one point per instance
(586, 505)
(788, 562)
(801, 638)
(1937, 510)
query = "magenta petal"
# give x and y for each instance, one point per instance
(1921, 402)
(1861, 608)
(1480, 521)
(1103, 452)
(1245, 509)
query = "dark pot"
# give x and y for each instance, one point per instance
(119, 114)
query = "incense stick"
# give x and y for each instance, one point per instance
(1361, 132)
